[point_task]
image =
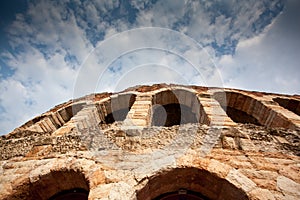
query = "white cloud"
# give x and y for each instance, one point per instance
(269, 61)
(36, 85)
(146, 66)
(44, 74)
(148, 74)
(145, 47)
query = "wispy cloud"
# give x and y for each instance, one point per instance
(269, 61)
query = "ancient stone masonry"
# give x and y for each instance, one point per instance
(158, 142)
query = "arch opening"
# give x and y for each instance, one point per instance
(290, 104)
(115, 109)
(189, 183)
(68, 112)
(118, 115)
(239, 116)
(55, 185)
(172, 114)
(252, 110)
(241, 108)
(182, 194)
(73, 194)
(176, 107)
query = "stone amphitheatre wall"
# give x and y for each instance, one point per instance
(158, 142)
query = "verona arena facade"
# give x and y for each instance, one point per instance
(158, 142)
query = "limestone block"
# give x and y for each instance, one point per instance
(240, 180)
(261, 194)
(228, 143)
(270, 118)
(219, 168)
(232, 99)
(55, 120)
(64, 115)
(288, 186)
(36, 127)
(121, 190)
(258, 109)
(181, 96)
(50, 126)
(291, 171)
(96, 178)
(247, 105)
(189, 99)
(247, 145)
(240, 101)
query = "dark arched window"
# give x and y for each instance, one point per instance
(290, 104)
(189, 184)
(67, 113)
(58, 185)
(239, 107)
(116, 108)
(172, 114)
(72, 194)
(182, 194)
(175, 107)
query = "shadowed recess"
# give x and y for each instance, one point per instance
(234, 107)
(172, 114)
(68, 112)
(116, 108)
(175, 107)
(73, 194)
(290, 104)
(182, 194)
(56, 185)
(242, 108)
(189, 183)
(239, 116)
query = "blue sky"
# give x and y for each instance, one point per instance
(53, 51)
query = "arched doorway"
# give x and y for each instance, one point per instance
(242, 108)
(56, 185)
(73, 194)
(181, 194)
(233, 105)
(175, 107)
(290, 104)
(116, 108)
(191, 184)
